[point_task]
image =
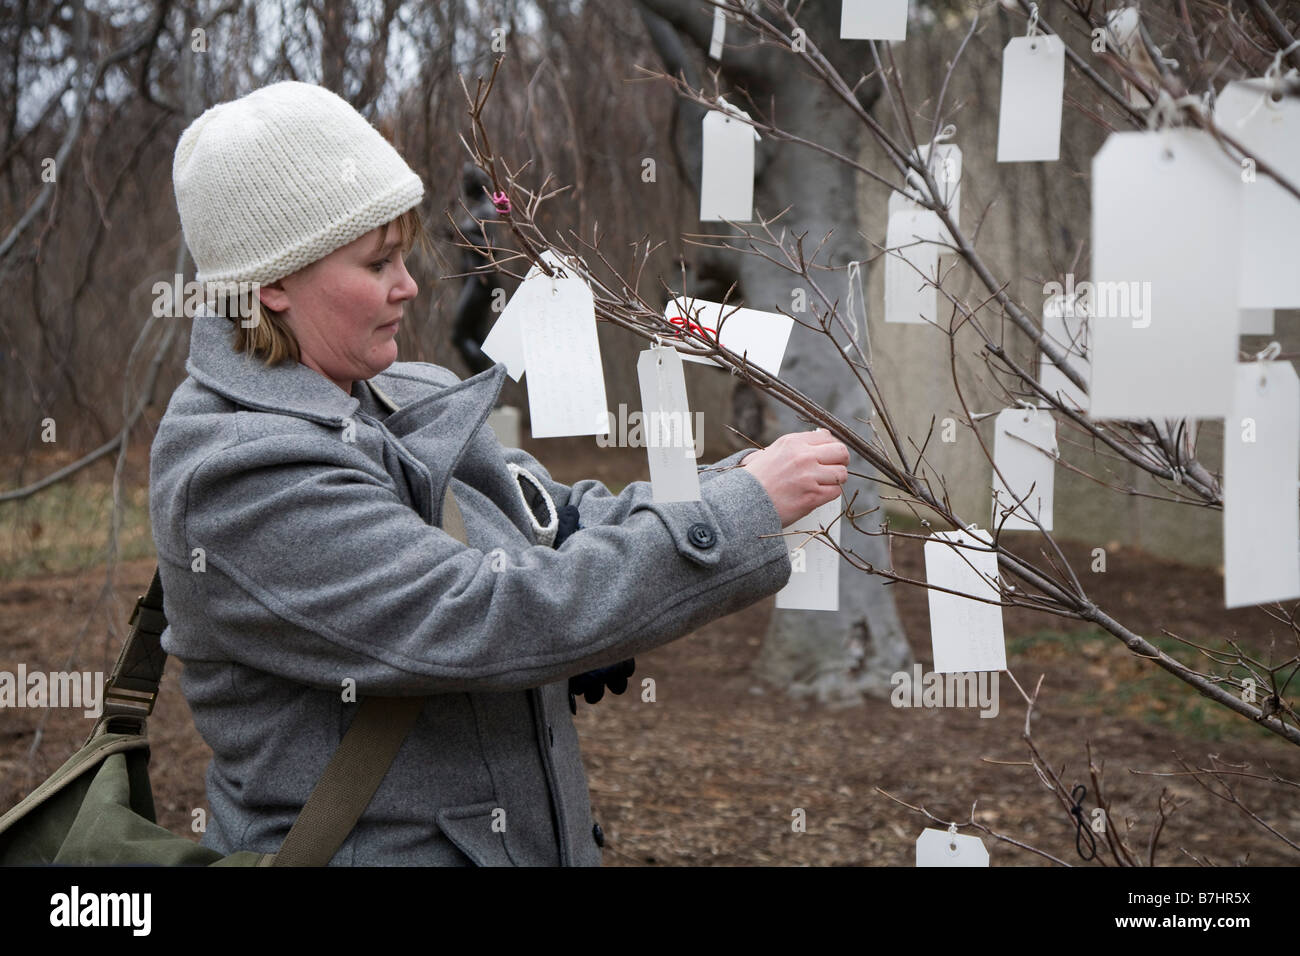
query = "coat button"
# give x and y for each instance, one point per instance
(701, 535)
(598, 834)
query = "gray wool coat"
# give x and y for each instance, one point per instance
(298, 543)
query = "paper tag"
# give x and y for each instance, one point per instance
(1270, 244)
(945, 167)
(760, 336)
(504, 342)
(966, 635)
(814, 583)
(670, 444)
(727, 169)
(1065, 323)
(1261, 464)
(942, 848)
(1162, 310)
(1033, 89)
(1122, 27)
(911, 264)
(566, 383)
(1256, 322)
(1024, 454)
(873, 20)
(719, 33)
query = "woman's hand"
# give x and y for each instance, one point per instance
(800, 472)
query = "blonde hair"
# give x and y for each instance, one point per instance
(269, 336)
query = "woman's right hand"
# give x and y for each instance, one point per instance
(800, 471)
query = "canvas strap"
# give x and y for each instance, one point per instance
(359, 764)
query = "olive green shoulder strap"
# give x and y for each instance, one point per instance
(359, 764)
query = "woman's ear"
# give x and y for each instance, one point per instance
(273, 296)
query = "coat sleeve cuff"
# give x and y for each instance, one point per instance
(725, 527)
(545, 533)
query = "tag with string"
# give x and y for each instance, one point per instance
(950, 848)
(759, 336)
(1123, 35)
(1033, 90)
(504, 342)
(666, 416)
(1163, 313)
(944, 161)
(965, 634)
(814, 583)
(719, 33)
(1024, 454)
(566, 380)
(873, 20)
(727, 165)
(1261, 466)
(1269, 129)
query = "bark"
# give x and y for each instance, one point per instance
(835, 657)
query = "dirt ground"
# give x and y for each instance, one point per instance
(714, 770)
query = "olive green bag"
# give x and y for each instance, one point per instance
(98, 807)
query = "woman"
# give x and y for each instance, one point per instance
(296, 490)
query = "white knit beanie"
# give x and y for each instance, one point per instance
(275, 180)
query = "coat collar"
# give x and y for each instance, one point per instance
(295, 389)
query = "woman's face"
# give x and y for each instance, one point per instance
(344, 309)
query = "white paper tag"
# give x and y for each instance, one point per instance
(873, 20)
(1270, 242)
(1162, 310)
(1256, 322)
(966, 635)
(670, 444)
(1024, 454)
(1033, 89)
(945, 167)
(566, 382)
(911, 264)
(760, 336)
(1122, 33)
(719, 33)
(941, 848)
(1261, 464)
(814, 583)
(504, 342)
(727, 169)
(1065, 323)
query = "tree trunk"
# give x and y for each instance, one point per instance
(835, 657)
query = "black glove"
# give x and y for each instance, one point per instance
(592, 684)
(566, 525)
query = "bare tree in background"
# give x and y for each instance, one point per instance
(1129, 89)
(834, 656)
(105, 97)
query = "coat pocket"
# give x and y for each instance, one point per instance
(470, 828)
